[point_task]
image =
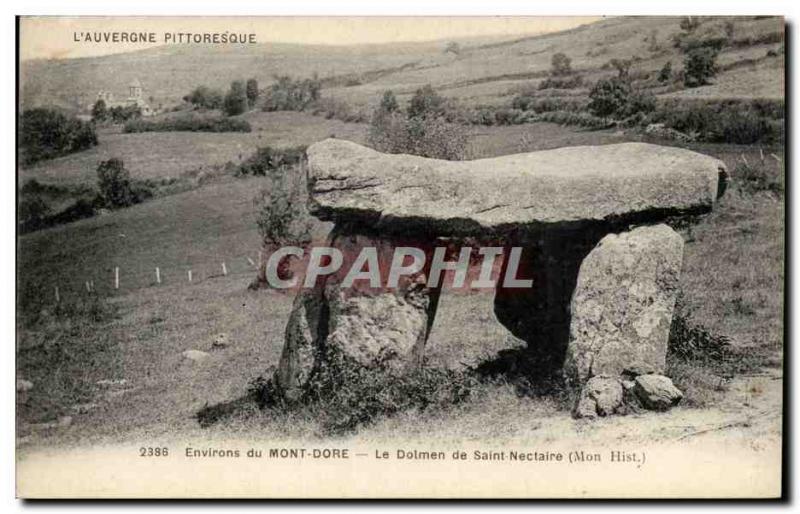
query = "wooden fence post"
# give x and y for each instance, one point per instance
(116, 277)
(224, 269)
(158, 275)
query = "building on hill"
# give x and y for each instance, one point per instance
(135, 91)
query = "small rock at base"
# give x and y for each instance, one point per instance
(656, 392)
(600, 396)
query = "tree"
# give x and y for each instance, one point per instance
(114, 183)
(560, 64)
(99, 110)
(389, 102)
(426, 103)
(252, 91)
(699, 66)
(236, 100)
(203, 96)
(46, 133)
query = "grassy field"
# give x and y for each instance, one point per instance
(152, 155)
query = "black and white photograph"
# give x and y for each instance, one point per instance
(409, 257)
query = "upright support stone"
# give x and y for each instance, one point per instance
(623, 304)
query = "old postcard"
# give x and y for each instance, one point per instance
(388, 257)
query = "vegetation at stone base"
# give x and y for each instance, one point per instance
(755, 177)
(422, 130)
(63, 349)
(48, 133)
(343, 397)
(189, 123)
(702, 363)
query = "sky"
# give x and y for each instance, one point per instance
(54, 37)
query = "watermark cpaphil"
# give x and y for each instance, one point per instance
(385, 267)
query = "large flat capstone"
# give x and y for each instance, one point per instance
(621, 182)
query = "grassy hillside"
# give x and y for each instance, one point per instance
(481, 73)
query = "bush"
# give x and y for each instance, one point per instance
(205, 97)
(114, 183)
(425, 136)
(288, 94)
(251, 90)
(426, 102)
(235, 101)
(737, 122)
(32, 213)
(699, 66)
(609, 97)
(581, 119)
(547, 104)
(344, 396)
(99, 110)
(268, 158)
(120, 114)
(560, 65)
(572, 82)
(48, 133)
(189, 123)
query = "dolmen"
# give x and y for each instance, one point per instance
(585, 229)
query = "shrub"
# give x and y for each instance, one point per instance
(99, 110)
(287, 94)
(189, 123)
(251, 90)
(581, 119)
(426, 103)
(609, 97)
(268, 158)
(32, 213)
(572, 82)
(425, 136)
(725, 122)
(48, 133)
(344, 396)
(203, 96)
(389, 102)
(235, 101)
(560, 64)
(120, 114)
(699, 66)
(114, 183)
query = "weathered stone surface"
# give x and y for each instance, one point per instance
(623, 304)
(601, 396)
(575, 184)
(656, 392)
(301, 339)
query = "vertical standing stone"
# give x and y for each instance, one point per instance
(623, 304)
